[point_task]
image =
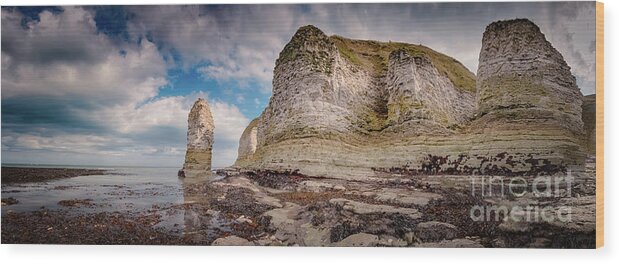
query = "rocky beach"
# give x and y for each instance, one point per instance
(284, 209)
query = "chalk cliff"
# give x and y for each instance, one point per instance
(248, 141)
(588, 118)
(199, 141)
(358, 108)
(529, 105)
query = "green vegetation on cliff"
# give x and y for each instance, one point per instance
(510, 92)
(374, 56)
(308, 44)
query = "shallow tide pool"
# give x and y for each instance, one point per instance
(126, 189)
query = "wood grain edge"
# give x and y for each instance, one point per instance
(599, 124)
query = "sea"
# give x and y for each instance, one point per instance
(121, 189)
(132, 191)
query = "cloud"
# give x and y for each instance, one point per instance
(83, 144)
(571, 29)
(229, 121)
(70, 90)
(139, 117)
(237, 43)
(63, 55)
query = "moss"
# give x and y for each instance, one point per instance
(512, 88)
(442, 118)
(296, 49)
(373, 56)
(369, 55)
(401, 107)
(347, 53)
(198, 156)
(372, 121)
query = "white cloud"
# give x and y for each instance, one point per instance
(229, 122)
(136, 117)
(62, 55)
(238, 43)
(571, 30)
(73, 143)
(120, 91)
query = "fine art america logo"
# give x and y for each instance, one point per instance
(520, 199)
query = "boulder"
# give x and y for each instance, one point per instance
(434, 231)
(364, 208)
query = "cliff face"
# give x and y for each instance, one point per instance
(521, 76)
(248, 142)
(340, 89)
(355, 108)
(199, 140)
(528, 103)
(588, 118)
(417, 91)
(314, 92)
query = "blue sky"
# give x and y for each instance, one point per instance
(112, 85)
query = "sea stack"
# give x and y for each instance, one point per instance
(199, 141)
(521, 76)
(527, 96)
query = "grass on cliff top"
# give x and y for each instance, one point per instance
(374, 56)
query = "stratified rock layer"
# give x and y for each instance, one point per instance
(416, 91)
(588, 118)
(356, 109)
(528, 101)
(199, 140)
(522, 78)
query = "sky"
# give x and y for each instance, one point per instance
(112, 85)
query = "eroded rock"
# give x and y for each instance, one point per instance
(434, 231)
(364, 208)
(199, 141)
(248, 142)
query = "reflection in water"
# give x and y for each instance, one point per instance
(201, 223)
(129, 190)
(180, 205)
